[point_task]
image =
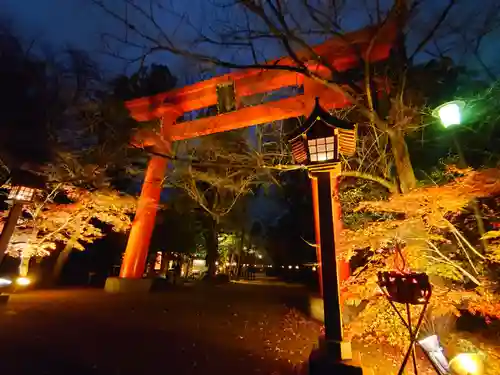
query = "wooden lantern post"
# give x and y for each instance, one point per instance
(318, 145)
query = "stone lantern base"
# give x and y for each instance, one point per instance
(322, 363)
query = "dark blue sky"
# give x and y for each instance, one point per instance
(79, 24)
(59, 23)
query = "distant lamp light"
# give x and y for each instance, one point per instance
(158, 261)
(259, 256)
(289, 267)
(467, 364)
(450, 113)
(296, 267)
(314, 268)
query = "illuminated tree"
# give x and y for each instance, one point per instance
(428, 225)
(71, 224)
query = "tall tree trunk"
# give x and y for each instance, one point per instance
(402, 160)
(64, 254)
(24, 265)
(241, 251)
(60, 262)
(212, 245)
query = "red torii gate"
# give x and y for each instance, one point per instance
(343, 53)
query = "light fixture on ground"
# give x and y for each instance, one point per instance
(23, 281)
(317, 145)
(467, 364)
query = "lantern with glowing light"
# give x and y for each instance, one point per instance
(450, 113)
(321, 139)
(24, 184)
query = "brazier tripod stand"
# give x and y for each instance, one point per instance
(409, 289)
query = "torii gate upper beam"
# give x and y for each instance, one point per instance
(372, 44)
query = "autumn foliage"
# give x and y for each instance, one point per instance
(48, 223)
(433, 226)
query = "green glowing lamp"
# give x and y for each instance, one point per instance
(450, 113)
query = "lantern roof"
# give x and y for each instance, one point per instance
(22, 177)
(320, 123)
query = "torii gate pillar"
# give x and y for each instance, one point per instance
(136, 253)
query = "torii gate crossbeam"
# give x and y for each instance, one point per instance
(343, 53)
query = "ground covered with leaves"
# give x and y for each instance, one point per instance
(230, 329)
